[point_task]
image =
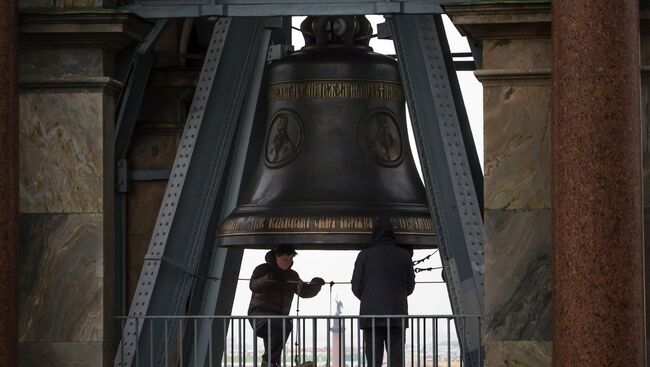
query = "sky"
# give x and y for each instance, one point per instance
(337, 266)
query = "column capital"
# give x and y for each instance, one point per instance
(498, 21)
(109, 28)
(526, 19)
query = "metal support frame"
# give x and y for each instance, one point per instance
(476, 47)
(204, 182)
(128, 106)
(149, 175)
(181, 8)
(425, 65)
(216, 298)
(260, 8)
(198, 172)
(132, 95)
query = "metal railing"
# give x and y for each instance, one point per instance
(310, 341)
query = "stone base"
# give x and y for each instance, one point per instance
(61, 286)
(73, 354)
(519, 354)
(518, 271)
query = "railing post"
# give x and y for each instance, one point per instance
(314, 342)
(238, 348)
(435, 341)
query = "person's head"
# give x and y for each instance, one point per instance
(284, 255)
(382, 228)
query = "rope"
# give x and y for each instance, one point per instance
(331, 283)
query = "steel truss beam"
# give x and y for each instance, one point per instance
(216, 297)
(186, 213)
(129, 107)
(199, 193)
(171, 9)
(426, 67)
(131, 98)
(262, 8)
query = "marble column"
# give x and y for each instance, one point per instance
(598, 316)
(68, 92)
(8, 183)
(517, 168)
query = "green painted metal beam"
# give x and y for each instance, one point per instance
(474, 2)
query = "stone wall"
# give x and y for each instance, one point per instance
(67, 116)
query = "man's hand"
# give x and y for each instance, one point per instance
(318, 281)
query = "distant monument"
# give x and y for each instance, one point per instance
(338, 338)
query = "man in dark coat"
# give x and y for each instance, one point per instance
(383, 278)
(273, 285)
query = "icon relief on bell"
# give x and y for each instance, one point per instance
(283, 140)
(381, 138)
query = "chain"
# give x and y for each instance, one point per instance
(416, 262)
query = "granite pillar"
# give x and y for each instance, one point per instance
(8, 183)
(67, 115)
(645, 118)
(517, 92)
(598, 280)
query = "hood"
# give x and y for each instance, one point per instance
(382, 230)
(270, 259)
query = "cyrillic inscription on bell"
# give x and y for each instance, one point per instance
(336, 150)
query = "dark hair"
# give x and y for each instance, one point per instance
(285, 249)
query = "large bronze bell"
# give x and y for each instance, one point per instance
(336, 151)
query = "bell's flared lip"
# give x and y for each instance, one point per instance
(317, 208)
(327, 241)
(324, 230)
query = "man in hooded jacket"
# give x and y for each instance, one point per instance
(273, 285)
(383, 278)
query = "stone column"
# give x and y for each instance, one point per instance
(517, 168)
(598, 280)
(8, 182)
(645, 120)
(516, 81)
(68, 92)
